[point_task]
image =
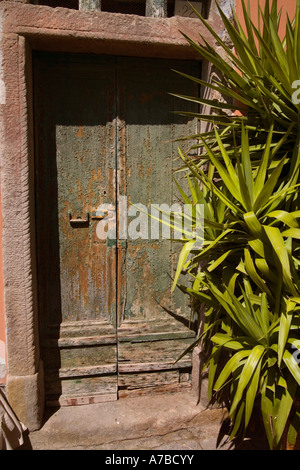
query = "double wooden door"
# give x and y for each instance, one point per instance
(104, 143)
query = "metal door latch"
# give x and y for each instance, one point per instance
(79, 221)
(98, 215)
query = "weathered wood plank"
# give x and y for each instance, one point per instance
(81, 390)
(145, 379)
(159, 389)
(134, 384)
(79, 356)
(82, 373)
(80, 400)
(85, 341)
(75, 384)
(167, 335)
(157, 326)
(86, 329)
(153, 366)
(87, 371)
(156, 351)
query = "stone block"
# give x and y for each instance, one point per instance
(26, 397)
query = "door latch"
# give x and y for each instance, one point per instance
(79, 221)
(98, 215)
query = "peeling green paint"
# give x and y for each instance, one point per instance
(156, 8)
(89, 5)
(91, 114)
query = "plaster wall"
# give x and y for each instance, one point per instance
(287, 6)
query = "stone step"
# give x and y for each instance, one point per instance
(157, 422)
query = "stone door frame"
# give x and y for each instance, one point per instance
(25, 27)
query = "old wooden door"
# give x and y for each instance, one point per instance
(109, 324)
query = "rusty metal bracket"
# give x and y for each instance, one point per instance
(98, 215)
(79, 221)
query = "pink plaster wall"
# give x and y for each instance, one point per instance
(2, 319)
(288, 6)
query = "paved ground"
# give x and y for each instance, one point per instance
(167, 422)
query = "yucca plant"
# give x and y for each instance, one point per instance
(246, 177)
(259, 75)
(250, 282)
